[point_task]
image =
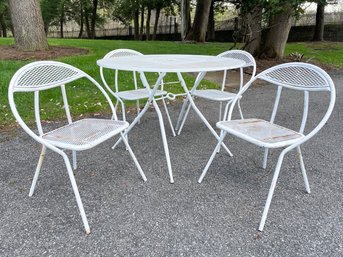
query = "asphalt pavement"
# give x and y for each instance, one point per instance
(220, 217)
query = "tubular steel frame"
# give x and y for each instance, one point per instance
(298, 76)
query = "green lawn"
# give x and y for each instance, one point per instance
(84, 98)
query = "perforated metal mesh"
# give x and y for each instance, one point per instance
(122, 53)
(84, 132)
(214, 94)
(240, 55)
(45, 75)
(296, 76)
(138, 94)
(261, 130)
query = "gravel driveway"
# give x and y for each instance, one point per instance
(219, 217)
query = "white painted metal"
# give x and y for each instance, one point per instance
(135, 94)
(221, 95)
(76, 136)
(163, 64)
(298, 76)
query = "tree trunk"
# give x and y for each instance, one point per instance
(62, 19)
(198, 31)
(157, 17)
(81, 20)
(253, 29)
(93, 18)
(147, 25)
(319, 28)
(3, 26)
(136, 24)
(88, 29)
(279, 26)
(211, 35)
(141, 31)
(185, 18)
(28, 25)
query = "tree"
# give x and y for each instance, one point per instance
(282, 13)
(198, 31)
(28, 25)
(185, 18)
(5, 20)
(251, 13)
(319, 28)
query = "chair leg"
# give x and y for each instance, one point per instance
(124, 119)
(240, 109)
(77, 194)
(138, 110)
(271, 191)
(134, 158)
(212, 157)
(265, 158)
(169, 119)
(226, 110)
(39, 165)
(74, 160)
(303, 170)
(184, 119)
(220, 111)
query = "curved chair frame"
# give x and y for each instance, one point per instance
(298, 76)
(221, 95)
(136, 93)
(44, 75)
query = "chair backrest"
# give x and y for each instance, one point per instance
(117, 53)
(298, 76)
(44, 75)
(240, 55)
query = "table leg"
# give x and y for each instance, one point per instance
(195, 108)
(186, 105)
(160, 118)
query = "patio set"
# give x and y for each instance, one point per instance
(84, 134)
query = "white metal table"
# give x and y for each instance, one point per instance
(178, 64)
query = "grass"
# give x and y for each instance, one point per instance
(330, 53)
(85, 99)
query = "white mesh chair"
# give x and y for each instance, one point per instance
(298, 76)
(219, 95)
(77, 135)
(135, 94)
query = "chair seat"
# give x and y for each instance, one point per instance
(261, 132)
(214, 94)
(84, 134)
(138, 94)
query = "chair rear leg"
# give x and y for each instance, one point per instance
(134, 158)
(184, 119)
(212, 157)
(74, 160)
(240, 109)
(39, 166)
(138, 110)
(169, 119)
(271, 192)
(303, 170)
(265, 158)
(77, 194)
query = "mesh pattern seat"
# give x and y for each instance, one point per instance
(142, 93)
(213, 94)
(85, 134)
(261, 132)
